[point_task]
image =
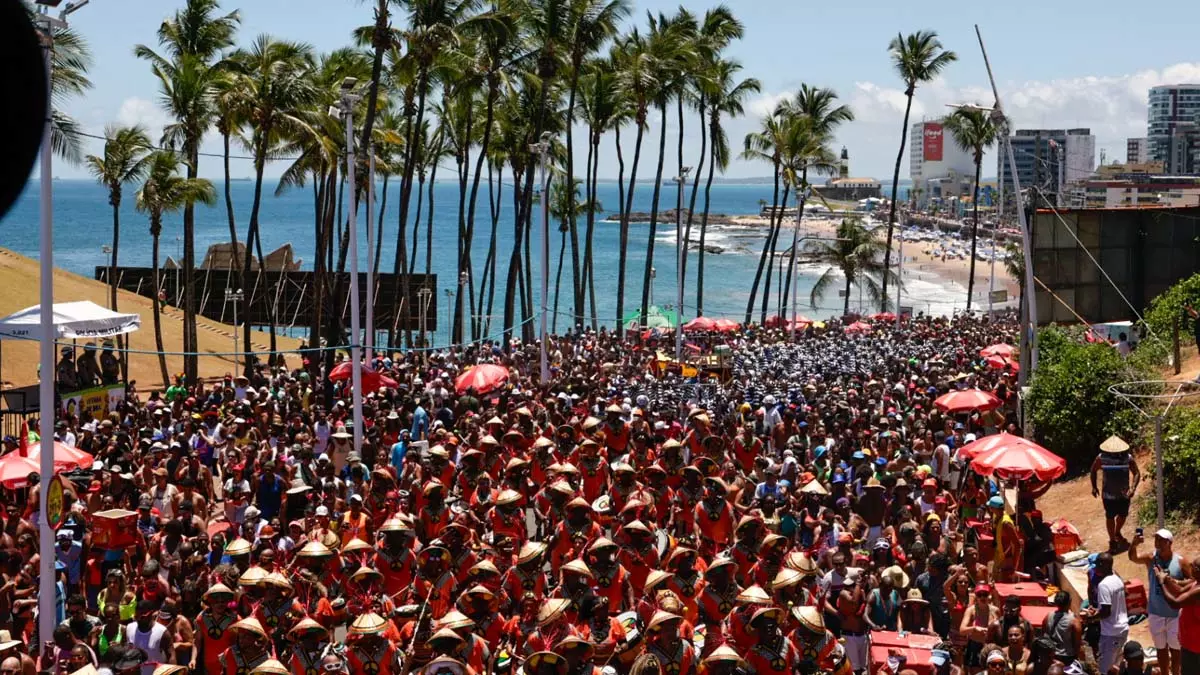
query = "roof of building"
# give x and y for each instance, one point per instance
(837, 181)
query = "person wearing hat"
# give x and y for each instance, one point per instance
(394, 557)
(1008, 545)
(663, 642)
(309, 642)
(610, 578)
(713, 517)
(817, 648)
(579, 653)
(717, 601)
(433, 514)
(772, 651)
(1121, 478)
(527, 576)
(543, 663)
(213, 635)
(369, 651)
(616, 431)
(250, 648)
(574, 533)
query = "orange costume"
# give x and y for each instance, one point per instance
(233, 663)
(215, 638)
(714, 525)
(777, 659)
(377, 661)
(610, 584)
(678, 661)
(397, 569)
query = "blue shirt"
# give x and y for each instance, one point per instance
(270, 497)
(399, 450)
(72, 557)
(1157, 601)
(420, 425)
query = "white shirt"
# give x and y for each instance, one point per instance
(150, 642)
(322, 431)
(833, 583)
(941, 462)
(1111, 592)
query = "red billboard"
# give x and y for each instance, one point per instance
(933, 142)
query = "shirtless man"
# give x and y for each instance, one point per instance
(851, 604)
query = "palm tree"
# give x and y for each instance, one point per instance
(70, 60)
(565, 208)
(272, 76)
(726, 97)
(918, 58)
(818, 115)
(192, 40)
(672, 40)
(227, 96)
(765, 145)
(856, 256)
(125, 160)
(974, 132)
(165, 191)
(593, 22)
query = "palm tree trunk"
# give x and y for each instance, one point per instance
(588, 285)
(490, 263)
(158, 338)
(190, 359)
(429, 222)
(637, 156)
(115, 200)
(412, 263)
(577, 281)
(410, 161)
(687, 232)
(762, 259)
(712, 167)
(891, 226)
(662, 155)
(252, 237)
(379, 230)
(974, 227)
(771, 257)
(380, 40)
(459, 332)
(233, 238)
(484, 146)
(787, 289)
(846, 305)
(562, 251)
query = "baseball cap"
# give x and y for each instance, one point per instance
(996, 656)
(939, 657)
(996, 502)
(322, 510)
(1133, 650)
(1164, 534)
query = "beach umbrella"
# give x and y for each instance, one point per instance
(726, 325)
(15, 470)
(482, 378)
(859, 327)
(884, 316)
(1013, 457)
(1002, 362)
(1000, 349)
(372, 380)
(700, 323)
(66, 458)
(967, 400)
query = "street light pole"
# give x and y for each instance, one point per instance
(540, 149)
(347, 109)
(680, 246)
(46, 576)
(370, 338)
(463, 280)
(234, 296)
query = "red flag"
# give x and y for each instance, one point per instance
(23, 442)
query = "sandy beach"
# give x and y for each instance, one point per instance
(918, 265)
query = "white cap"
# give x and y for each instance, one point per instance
(322, 510)
(969, 438)
(1164, 534)
(253, 512)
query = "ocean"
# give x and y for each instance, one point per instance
(83, 228)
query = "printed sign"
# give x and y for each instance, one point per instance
(94, 403)
(934, 134)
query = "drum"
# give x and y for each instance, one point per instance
(698, 636)
(504, 661)
(628, 651)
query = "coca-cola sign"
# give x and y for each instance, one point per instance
(933, 136)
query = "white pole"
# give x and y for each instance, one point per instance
(995, 231)
(46, 580)
(679, 247)
(899, 272)
(355, 327)
(237, 299)
(543, 148)
(796, 259)
(370, 339)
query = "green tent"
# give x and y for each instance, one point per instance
(656, 317)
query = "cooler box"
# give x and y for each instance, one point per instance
(917, 660)
(114, 529)
(1030, 594)
(1135, 597)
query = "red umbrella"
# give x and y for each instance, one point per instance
(482, 378)
(859, 327)
(1000, 349)
(1013, 457)
(66, 458)
(700, 323)
(967, 400)
(372, 380)
(1002, 362)
(15, 470)
(726, 325)
(884, 316)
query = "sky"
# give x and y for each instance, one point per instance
(1062, 63)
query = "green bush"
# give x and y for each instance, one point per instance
(1169, 307)
(1181, 461)
(1069, 403)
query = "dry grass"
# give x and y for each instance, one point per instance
(19, 289)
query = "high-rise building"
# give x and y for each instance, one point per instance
(1048, 160)
(1171, 106)
(1137, 151)
(938, 166)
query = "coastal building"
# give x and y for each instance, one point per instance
(939, 167)
(1117, 171)
(1183, 149)
(1142, 190)
(1137, 150)
(1048, 161)
(844, 188)
(1170, 106)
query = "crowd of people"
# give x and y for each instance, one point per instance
(800, 511)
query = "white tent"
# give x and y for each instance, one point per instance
(72, 320)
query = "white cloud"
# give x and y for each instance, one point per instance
(135, 110)
(1113, 107)
(764, 104)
